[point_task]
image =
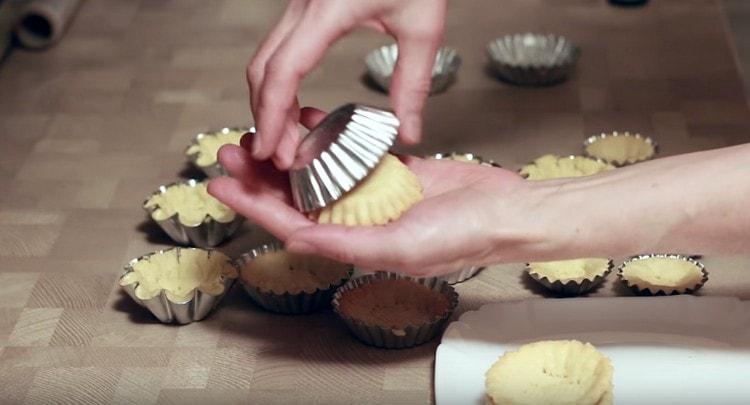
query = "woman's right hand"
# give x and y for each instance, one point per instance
(300, 39)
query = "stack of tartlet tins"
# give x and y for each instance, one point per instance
(183, 284)
(651, 274)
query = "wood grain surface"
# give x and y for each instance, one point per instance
(91, 126)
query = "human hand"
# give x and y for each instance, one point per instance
(298, 42)
(467, 216)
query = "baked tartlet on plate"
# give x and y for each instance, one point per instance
(288, 283)
(570, 277)
(392, 311)
(555, 167)
(551, 372)
(203, 149)
(663, 274)
(179, 284)
(620, 148)
(191, 216)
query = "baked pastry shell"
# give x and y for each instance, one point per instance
(286, 303)
(532, 59)
(596, 138)
(660, 291)
(168, 311)
(381, 62)
(389, 338)
(571, 287)
(215, 169)
(207, 234)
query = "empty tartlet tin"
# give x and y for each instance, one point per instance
(463, 156)
(207, 234)
(286, 303)
(647, 291)
(168, 311)
(381, 62)
(215, 169)
(388, 338)
(339, 153)
(570, 287)
(532, 59)
(595, 138)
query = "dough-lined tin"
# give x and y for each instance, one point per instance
(339, 153)
(463, 157)
(168, 311)
(647, 291)
(381, 62)
(596, 138)
(286, 303)
(532, 59)
(570, 287)
(215, 169)
(395, 338)
(207, 234)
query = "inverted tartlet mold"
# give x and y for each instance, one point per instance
(595, 138)
(660, 291)
(570, 287)
(381, 62)
(168, 311)
(208, 233)
(286, 303)
(215, 169)
(464, 156)
(532, 59)
(390, 338)
(339, 153)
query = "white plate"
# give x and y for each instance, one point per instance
(667, 350)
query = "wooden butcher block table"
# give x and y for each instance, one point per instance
(90, 127)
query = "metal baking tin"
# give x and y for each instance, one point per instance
(381, 62)
(208, 233)
(595, 138)
(570, 287)
(647, 291)
(215, 169)
(465, 155)
(291, 304)
(167, 311)
(339, 153)
(389, 338)
(532, 59)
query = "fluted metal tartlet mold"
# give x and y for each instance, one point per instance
(647, 291)
(532, 59)
(168, 311)
(595, 138)
(463, 155)
(570, 287)
(381, 62)
(389, 338)
(286, 303)
(360, 137)
(215, 169)
(208, 233)
(461, 275)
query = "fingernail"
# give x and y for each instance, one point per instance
(300, 247)
(257, 145)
